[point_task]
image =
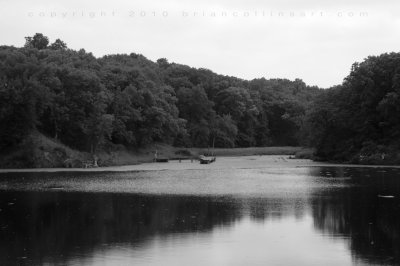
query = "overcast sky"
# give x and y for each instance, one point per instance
(314, 40)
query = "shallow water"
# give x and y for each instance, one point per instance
(225, 215)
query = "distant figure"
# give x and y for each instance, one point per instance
(155, 156)
(383, 156)
(95, 158)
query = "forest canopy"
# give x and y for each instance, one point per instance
(359, 121)
(88, 103)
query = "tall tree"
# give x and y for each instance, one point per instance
(58, 45)
(38, 41)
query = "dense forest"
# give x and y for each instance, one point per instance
(359, 121)
(92, 104)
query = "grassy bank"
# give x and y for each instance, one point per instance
(250, 151)
(39, 151)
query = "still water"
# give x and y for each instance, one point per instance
(284, 215)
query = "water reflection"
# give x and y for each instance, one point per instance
(366, 211)
(349, 219)
(55, 226)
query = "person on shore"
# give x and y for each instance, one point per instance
(155, 156)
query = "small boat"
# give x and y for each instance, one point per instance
(206, 160)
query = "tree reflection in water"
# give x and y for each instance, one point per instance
(53, 227)
(362, 211)
(46, 224)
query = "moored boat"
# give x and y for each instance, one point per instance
(206, 160)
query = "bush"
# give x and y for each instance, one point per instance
(305, 154)
(184, 153)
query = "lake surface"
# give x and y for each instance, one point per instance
(243, 211)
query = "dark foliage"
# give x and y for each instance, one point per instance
(359, 121)
(87, 102)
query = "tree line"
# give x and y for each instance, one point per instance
(359, 120)
(91, 103)
(88, 102)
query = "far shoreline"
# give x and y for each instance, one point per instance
(271, 161)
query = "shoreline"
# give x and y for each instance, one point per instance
(272, 161)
